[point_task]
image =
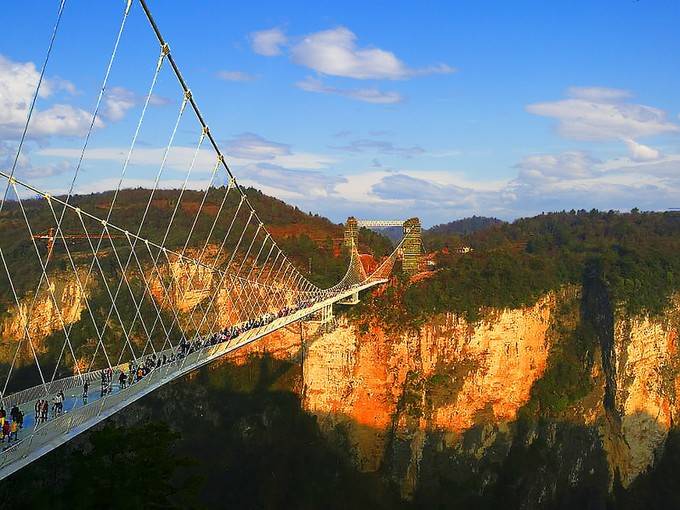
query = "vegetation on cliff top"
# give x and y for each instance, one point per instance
(513, 264)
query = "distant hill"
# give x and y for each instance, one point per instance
(394, 234)
(464, 226)
(449, 234)
(446, 233)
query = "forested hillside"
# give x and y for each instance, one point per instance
(511, 265)
(451, 234)
(304, 236)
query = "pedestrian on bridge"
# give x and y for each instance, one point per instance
(55, 405)
(86, 387)
(44, 410)
(38, 410)
(104, 382)
(14, 412)
(122, 378)
(6, 431)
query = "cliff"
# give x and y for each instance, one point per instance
(467, 392)
(647, 376)
(455, 403)
(38, 316)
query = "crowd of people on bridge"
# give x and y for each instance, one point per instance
(9, 428)
(137, 370)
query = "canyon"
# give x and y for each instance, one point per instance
(458, 397)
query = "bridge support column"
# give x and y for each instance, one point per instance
(412, 247)
(327, 314)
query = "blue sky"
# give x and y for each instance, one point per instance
(375, 109)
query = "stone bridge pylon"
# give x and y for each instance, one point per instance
(412, 247)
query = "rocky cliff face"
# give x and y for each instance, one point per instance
(646, 382)
(40, 317)
(181, 284)
(389, 392)
(402, 400)
(447, 377)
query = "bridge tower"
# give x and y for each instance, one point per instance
(412, 247)
(351, 232)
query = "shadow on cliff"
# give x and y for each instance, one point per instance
(245, 441)
(539, 464)
(658, 487)
(257, 448)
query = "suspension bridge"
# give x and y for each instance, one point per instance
(128, 303)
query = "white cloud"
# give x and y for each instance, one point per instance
(61, 120)
(567, 180)
(639, 152)
(252, 146)
(405, 187)
(576, 180)
(155, 100)
(363, 145)
(17, 86)
(367, 95)
(335, 52)
(241, 151)
(268, 42)
(25, 167)
(111, 183)
(235, 76)
(556, 167)
(601, 94)
(117, 101)
(545, 182)
(300, 183)
(602, 114)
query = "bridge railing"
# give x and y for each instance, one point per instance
(34, 393)
(72, 420)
